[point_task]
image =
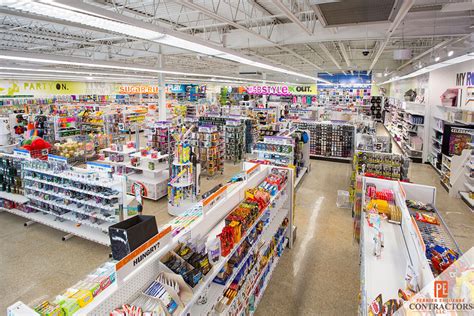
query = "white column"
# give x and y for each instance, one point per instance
(264, 97)
(161, 90)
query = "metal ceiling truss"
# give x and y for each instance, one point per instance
(299, 12)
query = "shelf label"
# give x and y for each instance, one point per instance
(251, 171)
(98, 166)
(215, 197)
(21, 153)
(57, 158)
(134, 260)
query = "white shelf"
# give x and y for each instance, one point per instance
(159, 169)
(59, 185)
(17, 198)
(436, 140)
(148, 156)
(218, 266)
(273, 153)
(73, 208)
(104, 184)
(69, 227)
(437, 129)
(465, 197)
(125, 151)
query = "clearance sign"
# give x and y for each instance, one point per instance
(283, 90)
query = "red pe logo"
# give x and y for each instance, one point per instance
(441, 289)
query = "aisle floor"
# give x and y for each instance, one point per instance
(319, 276)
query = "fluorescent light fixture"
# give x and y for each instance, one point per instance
(437, 58)
(77, 72)
(450, 53)
(71, 13)
(442, 64)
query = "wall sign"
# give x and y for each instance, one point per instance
(146, 89)
(465, 78)
(283, 90)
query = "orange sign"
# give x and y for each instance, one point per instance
(137, 252)
(138, 89)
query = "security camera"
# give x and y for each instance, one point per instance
(365, 52)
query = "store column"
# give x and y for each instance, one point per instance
(161, 90)
(264, 97)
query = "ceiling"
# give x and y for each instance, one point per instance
(299, 38)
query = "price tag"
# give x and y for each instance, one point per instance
(57, 158)
(98, 166)
(215, 197)
(21, 153)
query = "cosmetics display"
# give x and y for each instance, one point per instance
(234, 141)
(211, 150)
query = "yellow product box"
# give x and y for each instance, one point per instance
(83, 297)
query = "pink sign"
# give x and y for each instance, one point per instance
(268, 90)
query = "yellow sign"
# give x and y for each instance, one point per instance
(50, 88)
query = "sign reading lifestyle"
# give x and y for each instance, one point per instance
(283, 90)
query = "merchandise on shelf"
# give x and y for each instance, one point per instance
(329, 139)
(77, 201)
(185, 273)
(234, 140)
(381, 165)
(251, 127)
(81, 294)
(211, 149)
(182, 186)
(160, 137)
(10, 175)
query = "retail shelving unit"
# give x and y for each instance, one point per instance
(80, 202)
(143, 170)
(330, 140)
(407, 124)
(183, 184)
(275, 221)
(234, 140)
(403, 252)
(211, 147)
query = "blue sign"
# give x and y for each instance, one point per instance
(357, 80)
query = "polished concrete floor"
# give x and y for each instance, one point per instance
(319, 276)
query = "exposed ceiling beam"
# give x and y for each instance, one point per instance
(215, 16)
(402, 12)
(344, 54)
(328, 53)
(432, 49)
(291, 16)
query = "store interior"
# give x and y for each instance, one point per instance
(233, 157)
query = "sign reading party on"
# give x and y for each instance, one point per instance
(147, 89)
(282, 90)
